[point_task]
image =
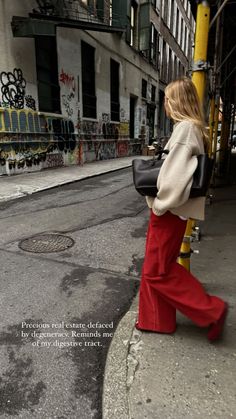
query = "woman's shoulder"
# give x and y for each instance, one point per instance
(182, 131)
(188, 129)
(187, 133)
(185, 125)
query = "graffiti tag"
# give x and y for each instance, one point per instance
(30, 102)
(66, 101)
(67, 79)
(13, 88)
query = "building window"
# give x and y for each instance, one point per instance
(144, 88)
(184, 38)
(154, 46)
(177, 25)
(144, 29)
(153, 93)
(189, 10)
(166, 11)
(115, 90)
(90, 5)
(160, 52)
(185, 41)
(172, 16)
(181, 32)
(88, 81)
(148, 36)
(156, 4)
(169, 13)
(163, 9)
(100, 9)
(132, 26)
(175, 67)
(189, 45)
(170, 66)
(164, 62)
(47, 74)
(179, 69)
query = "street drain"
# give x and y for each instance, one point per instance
(46, 243)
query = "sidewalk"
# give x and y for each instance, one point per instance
(17, 186)
(157, 376)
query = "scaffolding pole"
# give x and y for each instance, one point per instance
(199, 80)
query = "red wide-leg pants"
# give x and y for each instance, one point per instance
(166, 285)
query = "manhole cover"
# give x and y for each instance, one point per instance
(46, 243)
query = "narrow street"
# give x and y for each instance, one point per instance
(59, 310)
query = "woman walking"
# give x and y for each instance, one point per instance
(165, 284)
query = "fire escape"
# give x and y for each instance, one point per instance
(100, 15)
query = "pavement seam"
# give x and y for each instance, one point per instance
(79, 229)
(71, 264)
(106, 221)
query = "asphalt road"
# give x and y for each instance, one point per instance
(59, 310)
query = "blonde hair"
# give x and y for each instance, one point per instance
(184, 104)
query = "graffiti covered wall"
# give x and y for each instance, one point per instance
(31, 140)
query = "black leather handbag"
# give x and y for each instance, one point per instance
(145, 174)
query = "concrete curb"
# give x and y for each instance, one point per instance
(115, 385)
(19, 186)
(25, 190)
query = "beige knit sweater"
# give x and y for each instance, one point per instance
(176, 174)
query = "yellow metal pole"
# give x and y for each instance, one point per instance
(200, 50)
(198, 78)
(185, 250)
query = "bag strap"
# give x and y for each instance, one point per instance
(159, 153)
